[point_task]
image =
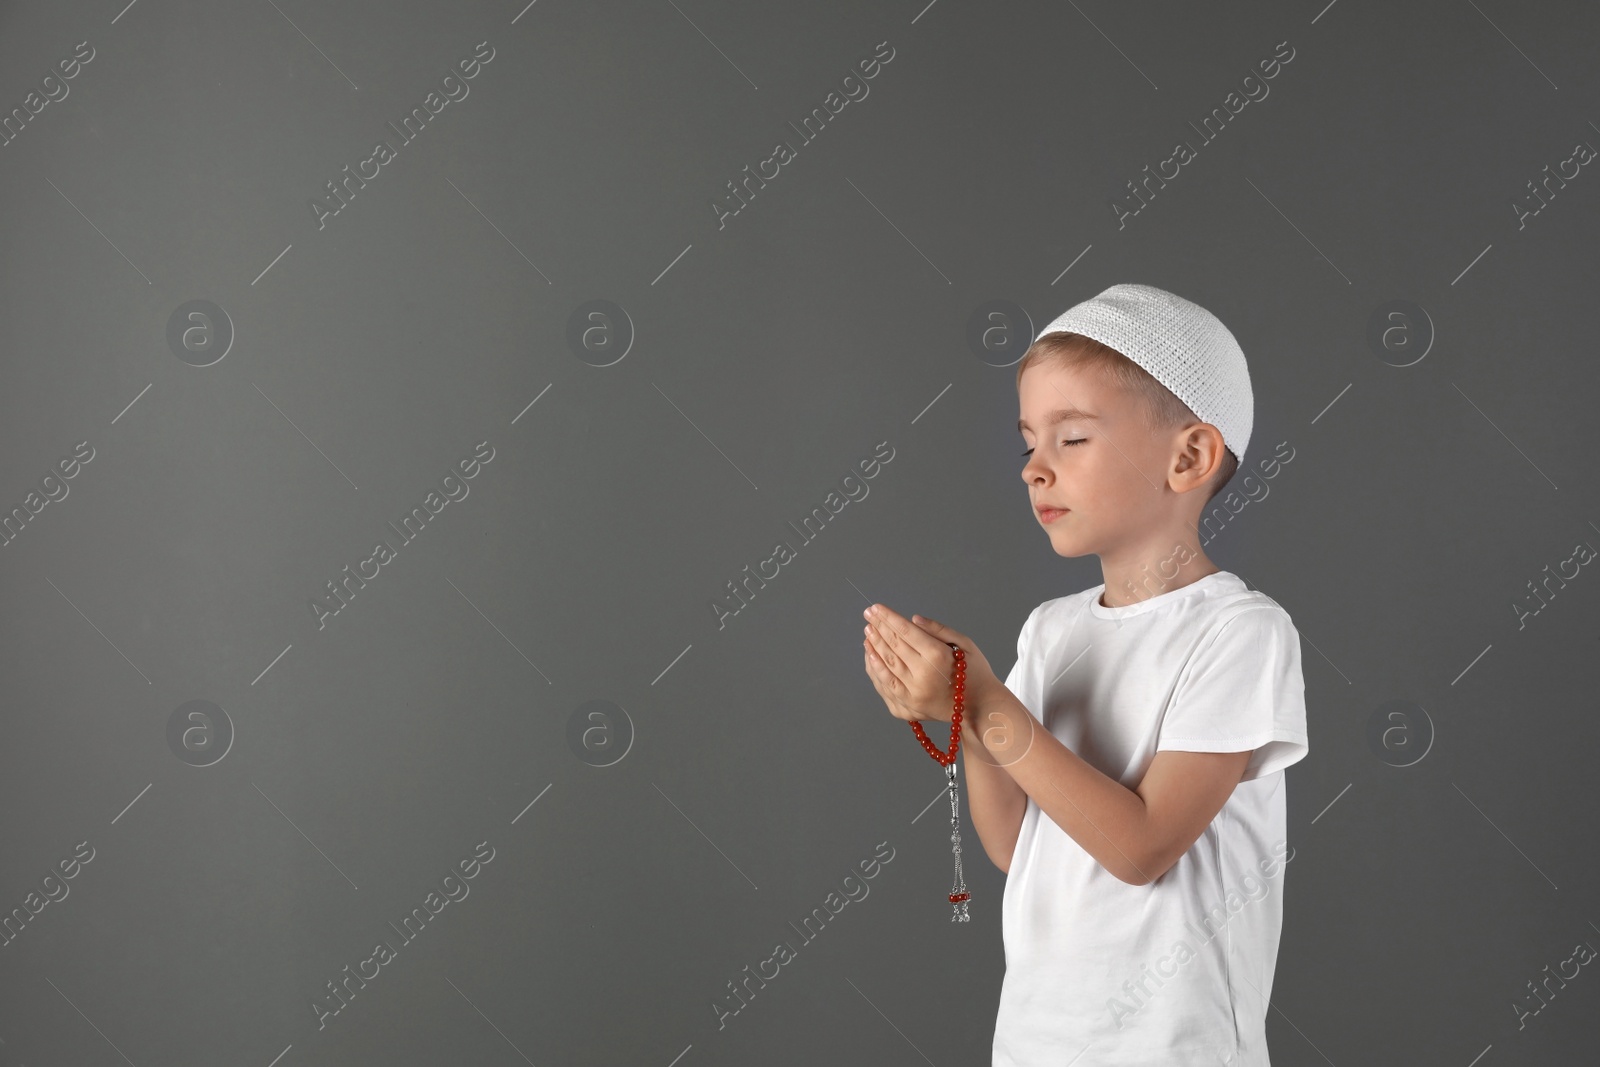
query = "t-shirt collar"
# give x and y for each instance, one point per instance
(1100, 611)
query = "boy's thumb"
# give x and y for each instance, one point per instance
(934, 628)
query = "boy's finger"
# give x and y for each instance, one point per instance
(874, 673)
(876, 661)
(882, 680)
(904, 635)
(873, 668)
(890, 642)
(883, 615)
(938, 630)
(881, 645)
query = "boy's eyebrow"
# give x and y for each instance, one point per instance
(1058, 415)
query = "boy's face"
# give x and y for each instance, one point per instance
(1108, 471)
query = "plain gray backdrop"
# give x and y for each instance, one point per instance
(251, 391)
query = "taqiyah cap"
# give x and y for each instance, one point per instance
(1181, 345)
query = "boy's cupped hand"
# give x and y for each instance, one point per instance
(912, 668)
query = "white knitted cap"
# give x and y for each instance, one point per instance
(1181, 345)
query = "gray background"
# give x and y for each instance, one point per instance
(757, 765)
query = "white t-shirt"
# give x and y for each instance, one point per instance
(1176, 972)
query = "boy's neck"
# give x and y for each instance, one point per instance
(1132, 584)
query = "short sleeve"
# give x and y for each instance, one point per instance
(1024, 635)
(1025, 677)
(1242, 689)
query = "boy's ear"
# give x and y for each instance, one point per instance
(1200, 451)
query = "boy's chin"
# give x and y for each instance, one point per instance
(1067, 548)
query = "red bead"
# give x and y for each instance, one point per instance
(958, 697)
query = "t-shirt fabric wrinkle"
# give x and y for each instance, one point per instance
(1176, 972)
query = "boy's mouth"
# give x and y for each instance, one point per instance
(1049, 515)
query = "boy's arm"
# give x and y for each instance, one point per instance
(995, 801)
(1135, 834)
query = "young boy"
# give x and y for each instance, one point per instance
(1128, 774)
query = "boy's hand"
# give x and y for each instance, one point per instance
(911, 666)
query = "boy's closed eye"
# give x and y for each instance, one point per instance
(1075, 441)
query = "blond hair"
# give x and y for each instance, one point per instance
(1163, 411)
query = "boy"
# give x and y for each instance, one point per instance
(1128, 774)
